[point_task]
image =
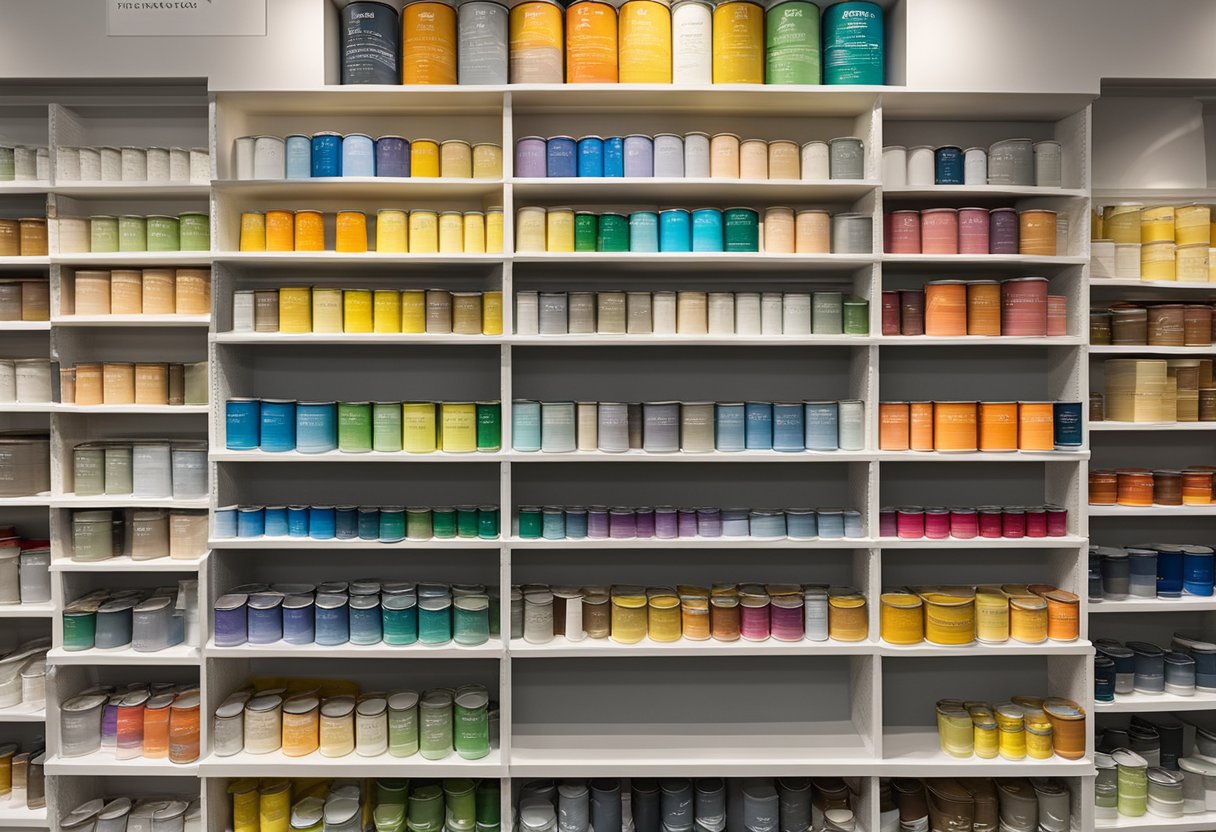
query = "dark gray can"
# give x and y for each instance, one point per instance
(371, 44)
(482, 49)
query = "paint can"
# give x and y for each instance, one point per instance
(692, 42)
(638, 156)
(984, 308)
(392, 156)
(948, 165)
(590, 155)
(482, 52)
(561, 157)
(921, 162)
(853, 44)
(536, 44)
(973, 230)
(675, 230)
(975, 166)
(644, 42)
(668, 156)
(614, 156)
(371, 44)
(945, 308)
(779, 230)
(812, 231)
(424, 158)
(531, 157)
(904, 236)
(455, 159)
(428, 42)
(612, 233)
(316, 427)
(358, 155)
(852, 233)
(1037, 233)
(738, 42)
(847, 158)
(299, 157)
(955, 429)
(591, 42)
(741, 226)
(327, 154)
(939, 231)
(1048, 164)
(791, 48)
(1003, 231)
(816, 161)
(895, 166)
(1011, 162)
(1024, 307)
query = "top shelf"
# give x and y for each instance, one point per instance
(1152, 195)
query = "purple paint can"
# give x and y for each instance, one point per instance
(392, 156)
(1003, 231)
(530, 157)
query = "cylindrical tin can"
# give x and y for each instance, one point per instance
(975, 166)
(371, 43)
(1024, 307)
(591, 50)
(536, 43)
(692, 42)
(853, 43)
(481, 55)
(948, 165)
(428, 42)
(791, 44)
(644, 42)
(1037, 233)
(847, 158)
(738, 42)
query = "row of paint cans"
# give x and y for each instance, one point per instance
(593, 41)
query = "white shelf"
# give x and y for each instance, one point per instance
(937, 191)
(360, 187)
(766, 99)
(19, 817)
(1080, 647)
(702, 261)
(593, 190)
(25, 326)
(134, 258)
(276, 764)
(690, 340)
(28, 407)
(1166, 285)
(1203, 822)
(43, 499)
(914, 751)
(983, 260)
(972, 341)
(24, 186)
(1165, 702)
(133, 190)
(178, 655)
(1147, 350)
(131, 321)
(1102, 195)
(339, 456)
(153, 409)
(693, 543)
(1153, 511)
(712, 456)
(24, 713)
(1151, 426)
(308, 543)
(1186, 603)
(353, 338)
(493, 649)
(124, 563)
(304, 259)
(103, 762)
(43, 610)
(1064, 542)
(127, 501)
(980, 456)
(17, 264)
(561, 647)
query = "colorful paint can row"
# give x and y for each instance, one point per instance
(972, 522)
(1157, 570)
(1156, 390)
(1025, 727)
(140, 534)
(627, 614)
(149, 468)
(1160, 242)
(121, 382)
(1009, 162)
(140, 721)
(1143, 488)
(138, 292)
(24, 163)
(153, 165)
(687, 427)
(962, 615)
(388, 524)
(296, 310)
(1034, 231)
(1130, 324)
(361, 612)
(390, 231)
(987, 427)
(679, 230)
(1018, 307)
(329, 154)
(691, 312)
(189, 231)
(143, 620)
(317, 427)
(299, 722)
(24, 237)
(595, 42)
(1141, 667)
(25, 299)
(672, 522)
(688, 156)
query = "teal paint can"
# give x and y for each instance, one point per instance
(853, 46)
(791, 43)
(613, 233)
(741, 229)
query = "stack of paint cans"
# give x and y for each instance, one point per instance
(1010, 162)
(1019, 307)
(102, 234)
(685, 522)
(1033, 231)
(430, 42)
(1160, 242)
(295, 310)
(122, 383)
(1156, 390)
(144, 620)
(989, 427)
(972, 522)
(391, 231)
(139, 533)
(388, 524)
(24, 237)
(329, 154)
(139, 292)
(151, 165)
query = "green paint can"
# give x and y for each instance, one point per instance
(856, 316)
(418, 523)
(354, 427)
(163, 234)
(89, 470)
(586, 231)
(195, 231)
(466, 521)
(386, 427)
(826, 313)
(791, 43)
(103, 235)
(489, 426)
(612, 233)
(443, 522)
(741, 229)
(487, 522)
(530, 521)
(132, 233)
(79, 627)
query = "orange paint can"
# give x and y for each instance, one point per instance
(535, 48)
(954, 427)
(1135, 486)
(893, 426)
(280, 231)
(351, 236)
(984, 308)
(310, 230)
(945, 308)
(920, 421)
(428, 43)
(644, 42)
(591, 56)
(1036, 426)
(1037, 233)
(998, 426)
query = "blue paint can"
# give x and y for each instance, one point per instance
(669, 156)
(366, 625)
(358, 155)
(275, 520)
(392, 156)
(591, 156)
(392, 524)
(614, 157)
(265, 618)
(788, 431)
(831, 522)
(332, 619)
(250, 521)
(230, 620)
(759, 427)
(299, 619)
(576, 522)
(639, 156)
(297, 521)
(1169, 571)
(242, 424)
(525, 425)
(369, 522)
(225, 522)
(822, 426)
(553, 523)
(675, 230)
(948, 165)
(346, 522)
(278, 425)
(1197, 574)
(643, 231)
(801, 523)
(326, 154)
(729, 421)
(561, 157)
(299, 157)
(853, 45)
(321, 522)
(1066, 418)
(707, 230)
(316, 427)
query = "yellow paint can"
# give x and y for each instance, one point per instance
(458, 427)
(418, 427)
(295, 309)
(413, 311)
(386, 310)
(738, 54)
(356, 310)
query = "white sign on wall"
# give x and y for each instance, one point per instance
(193, 18)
